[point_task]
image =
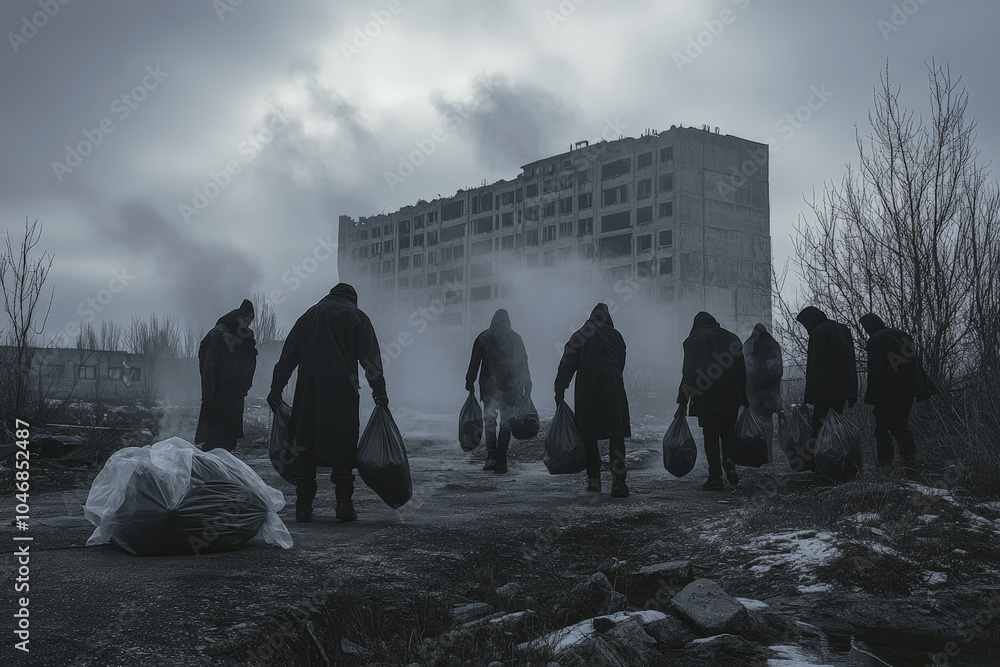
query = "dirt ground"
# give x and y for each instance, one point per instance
(387, 580)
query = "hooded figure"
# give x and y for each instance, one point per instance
(326, 344)
(504, 379)
(596, 354)
(762, 355)
(895, 378)
(227, 359)
(714, 379)
(831, 369)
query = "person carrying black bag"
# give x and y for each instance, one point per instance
(831, 368)
(596, 354)
(326, 344)
(714, 381)
(503, 379)
(895, 378)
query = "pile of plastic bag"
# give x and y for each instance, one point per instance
(171, 498)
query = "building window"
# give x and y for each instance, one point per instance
(667, 182)
(507, 242)
(364, 235)
(432, 258)
(453, 275)
(565, 229)
(432, 238)
(507, 219)
(432, 217)
(418, 281)
(667, 154)
(481, 293)
(453, 232)
(376, 268)
(452, 210)
(565, 253)
(388, 246)
(644, 188)
(644, 160)
(549, 258)
(548, 185)
(387, 265)
(403, 282)
(418, 261)
(482, 225)
(531, 213)
(404, 263)
(403, 227)
(643, 215)
(453, 253)
(644, 243)
(432, 279)
(616, 195)
(616, 221)
(531, 237)
(404, 243)
(482, 270)
(548, 209)
(418, 239)
(585, 226)
(565, 205)
(377, 248)
(666, 209)
(585, 200)
(418, 222)
(584, 176)
(616, 168)
(566, 181)
(548, 233)
(531, 190)
(666, 266)
(616, 246)
(481, 248)
(666, 238)
(507, 198)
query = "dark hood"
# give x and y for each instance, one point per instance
(601, 315)
(501, 320)
(231, 319)
(703, 319)
(811, 317)
(760, 337)
(346, 292)
(872, 323)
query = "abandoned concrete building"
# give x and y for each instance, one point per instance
(681, 213)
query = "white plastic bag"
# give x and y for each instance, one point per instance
(172, 498)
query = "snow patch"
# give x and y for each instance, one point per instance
(935, 578)
(793, 656)
(926, 518)
(801, 551)
(865, 517)
(815, 588)
(753, 605)
(563, 639)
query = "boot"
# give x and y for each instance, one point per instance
(303, 513)
(491, 461)
(619, 490)
(304, 495)
(345, 510)
(594, 484)
(500, 468)
(713, 484)
(730, 467)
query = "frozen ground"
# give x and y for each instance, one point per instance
(467, 531)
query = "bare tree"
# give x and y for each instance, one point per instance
(911, 233)
(156, 340)
(22, 278)
(265, 322)
(111, 336)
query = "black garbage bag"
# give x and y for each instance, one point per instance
(284, 454)
(798, 443)
(679, 451)
(832, 446)
(752, 447)
(565, 452)
(381, 459)
(853, 460)
(171, 499)
(524, 420)
(470, 424)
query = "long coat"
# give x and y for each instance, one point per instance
(500, 351)
(831, 368)
(762, 356)
(714, 373)
(596, 353)
(227, 358)
(895, 374)
(326, 344)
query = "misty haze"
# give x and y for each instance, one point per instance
(543, 334)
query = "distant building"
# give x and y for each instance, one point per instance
(684, 213)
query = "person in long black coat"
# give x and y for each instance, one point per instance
(503, 380)
(895, 378)
(831, 368)
(227, 359)
(714, 382)
(326, 344)
(762, 356)
(596, 354)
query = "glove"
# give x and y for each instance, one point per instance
(274, 399)
(851, 402)
(469, 386)
(381, 400)
(681, 410)
(560, 396)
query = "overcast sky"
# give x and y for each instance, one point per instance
(309, 113)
